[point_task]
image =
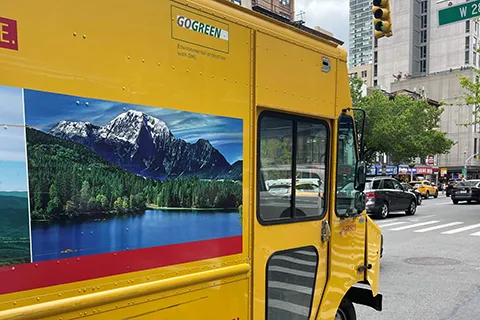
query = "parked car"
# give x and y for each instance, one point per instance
(426, 188)
(449, 186)
(385, 195)
(468, 190)
(410, 188)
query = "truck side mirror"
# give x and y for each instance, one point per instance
(360, 176)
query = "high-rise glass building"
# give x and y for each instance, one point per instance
(361, 33)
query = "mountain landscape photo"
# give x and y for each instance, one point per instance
(144, 145)
(114, 159)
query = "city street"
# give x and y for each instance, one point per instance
(430, 269)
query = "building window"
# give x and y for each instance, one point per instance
(467, 43)
(375, 42)
(423, 52)
(423, 36)
(476, 27)
(423, 21)
(375, 70)
(474, 58)
(467, 26)
(475, 146)
(467, 57)
(375, 56)
(424, 6)
(364, 74)
(423, 66)
(375, 83)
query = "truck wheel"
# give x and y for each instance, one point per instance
(346, 310)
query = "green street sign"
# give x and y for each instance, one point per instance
(464, 171)
(459, 12)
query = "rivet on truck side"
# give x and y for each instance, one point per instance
(177, 160)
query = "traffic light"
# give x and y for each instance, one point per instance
(382, 21)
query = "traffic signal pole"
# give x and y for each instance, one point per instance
(382, 21)
(465, 164)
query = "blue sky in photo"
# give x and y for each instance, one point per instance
(44, 110)
(13, 168)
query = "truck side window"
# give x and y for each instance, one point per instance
(275, 157)
(292, 152)
(346, 163)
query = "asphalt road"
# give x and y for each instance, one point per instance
(430, 269)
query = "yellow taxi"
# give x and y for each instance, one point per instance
(426, 188)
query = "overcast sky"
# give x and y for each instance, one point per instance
(331, 15)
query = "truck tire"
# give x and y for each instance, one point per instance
(346, 310)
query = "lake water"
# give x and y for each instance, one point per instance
(153, 228)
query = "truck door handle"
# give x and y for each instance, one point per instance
(326, 232)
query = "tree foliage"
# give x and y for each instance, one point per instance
(471, 96)
(399, 126)
(67, 180)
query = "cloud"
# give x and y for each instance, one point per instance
(12, 144)
(13, 176)
(11, 105)
(331, 15)
(44, 110)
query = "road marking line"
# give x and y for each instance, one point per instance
(380, 222)
(391, 224)
(442, 204)
(476, 234)
(431, 215)
(439, 227)
(462, 229)
(413, 225)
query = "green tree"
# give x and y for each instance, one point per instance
(84, 194)
(54, 206)
(399, 126)
(470, 96)
(102, 202)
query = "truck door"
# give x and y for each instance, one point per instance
(290, 259)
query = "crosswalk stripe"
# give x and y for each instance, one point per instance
(439, 227)
(414, 225)
(476, 234)
(391, 224)
(462, 229)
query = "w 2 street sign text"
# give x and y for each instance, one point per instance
(460, 12)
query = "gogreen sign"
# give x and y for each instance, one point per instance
(459, 12)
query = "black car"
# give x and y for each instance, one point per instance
(411, 188)
(385, 195)
(468, 190)
(449, 186)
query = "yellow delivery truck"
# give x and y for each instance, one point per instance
(178, 160)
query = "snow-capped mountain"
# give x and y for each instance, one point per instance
(145, 145)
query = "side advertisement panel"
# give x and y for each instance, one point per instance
(101, 188)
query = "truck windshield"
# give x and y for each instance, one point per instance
(346, 162)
